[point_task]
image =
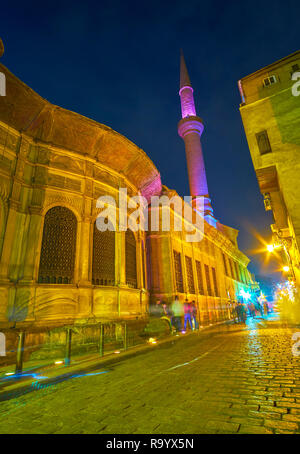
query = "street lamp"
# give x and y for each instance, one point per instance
(271, 247)
(282, 244)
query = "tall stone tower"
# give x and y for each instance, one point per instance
(190, 129)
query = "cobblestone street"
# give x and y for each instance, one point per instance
(232, 379)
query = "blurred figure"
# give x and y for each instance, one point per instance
(235, 312)
(177, 310)
(194, 315)
(187, 314)
(167, 310)
(266, 308)
(156, 309)
(243, 310)
(251, 309)
(259, 308)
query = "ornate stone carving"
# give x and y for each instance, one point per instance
(4, 189)
(61, 181)
(6, 164)
(40, 175)
(37, 197)
(61, 199)
(67, 163)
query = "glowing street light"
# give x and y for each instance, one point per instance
(286, 269)
(246, 295)
(270, 247)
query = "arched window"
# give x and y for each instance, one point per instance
(130, 253)
(103, 266)
(58, 247)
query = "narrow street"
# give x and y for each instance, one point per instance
(231, 379)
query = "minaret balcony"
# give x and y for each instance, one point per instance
(189, 125)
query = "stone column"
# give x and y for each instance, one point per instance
(31, 264)
(85, 247)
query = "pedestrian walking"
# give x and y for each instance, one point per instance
(258, 308)
(156, 309)
(235, 312)
(167, 311)
(194, 315)
(243, 312)
(187, 315)
(252, 309)
(177, 310)
(266, 308)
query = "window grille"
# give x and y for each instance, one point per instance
(231, 267)
(214, 274)
(58, 249)
(103, 265)
(208, 282)
(237, 272)
(190, 275)
(225, 264)
(130, 260)
(178, 272)
(199, 277)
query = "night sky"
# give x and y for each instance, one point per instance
(117, 62)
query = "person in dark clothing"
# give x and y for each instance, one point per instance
(187, 314)
(243, 313)
(266, 308)
(194, 315)
(177, 310)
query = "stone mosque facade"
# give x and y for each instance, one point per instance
(56, 266)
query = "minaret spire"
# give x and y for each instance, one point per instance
(190, 129)
(184, 75)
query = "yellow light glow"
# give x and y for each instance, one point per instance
(152, 340)
(59, 362)
(9, 373)
(270, 247)
(286, 269)
(117, 351)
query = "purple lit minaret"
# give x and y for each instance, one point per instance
(190, 129)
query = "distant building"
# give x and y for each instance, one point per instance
(270, 111)
(268, 286)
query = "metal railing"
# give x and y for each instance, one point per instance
(70, 341)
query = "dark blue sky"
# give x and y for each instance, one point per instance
(117, 62)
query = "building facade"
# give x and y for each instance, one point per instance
(57, 267)
(270, 111)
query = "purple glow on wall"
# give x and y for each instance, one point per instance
(187, 102)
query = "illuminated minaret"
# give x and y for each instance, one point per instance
(190, 129)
